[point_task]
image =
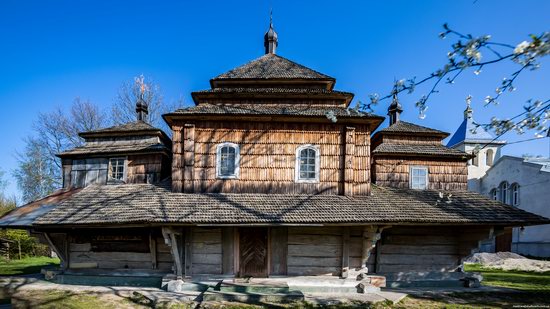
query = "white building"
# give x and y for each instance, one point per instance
(476, 140)
(523, 183)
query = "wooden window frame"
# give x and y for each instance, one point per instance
(124, 170)
(423, 167)
(237, 170)
(504, 193)
(297, 177)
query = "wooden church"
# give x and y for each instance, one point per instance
(270, 174)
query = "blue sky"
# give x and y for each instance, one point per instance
(54, 51)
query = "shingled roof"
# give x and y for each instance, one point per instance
(130, 127)
(145, 146)
(411, 128)
(419, 150)
(156, 204)
(272, 66)
(284, 110)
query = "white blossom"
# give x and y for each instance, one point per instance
(521, 47)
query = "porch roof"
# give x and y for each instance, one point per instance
(157, 205)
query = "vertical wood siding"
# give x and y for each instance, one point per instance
(268, 158)
(442, 174)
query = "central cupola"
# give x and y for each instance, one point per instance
(270, 38)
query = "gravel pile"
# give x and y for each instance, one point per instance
(508, 261)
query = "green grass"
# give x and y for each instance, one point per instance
(521, 280)
(28, 265)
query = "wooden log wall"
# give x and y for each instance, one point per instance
(140, 166)
(442, 174)
(206, 248)
(314, 251)
(268, 158)
(88, 252)
(425, 248)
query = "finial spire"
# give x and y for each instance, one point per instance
(142, 108)
(395, 109)
(270, 37)
(468, 111)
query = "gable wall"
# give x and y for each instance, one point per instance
(442, 174)
(268, 157)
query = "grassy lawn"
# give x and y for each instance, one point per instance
(28, 265)
(521, 280)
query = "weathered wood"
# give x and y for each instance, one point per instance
(58, 243)
(418, 249)
(228, 250)
(145, 258)
(313, 270)
(210, 258)
(315, 250)
(298, 239)
(73, 247)
(188, 157)
(188, 251)
(345, 252)
(415, 259)
(153, 251)
(349, 179)
(279, 249)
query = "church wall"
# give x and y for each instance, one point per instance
(268, 157)
(442, 174)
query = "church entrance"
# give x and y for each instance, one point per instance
(253, 252)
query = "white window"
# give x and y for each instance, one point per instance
(475, 160)
(489, 157)
(227, 161)
(503, 188)
(117, 171)
(419, 177)
(493, 194)
(515, 194)
(307, 163)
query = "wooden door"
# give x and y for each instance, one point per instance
(503, 242)
(253, 252)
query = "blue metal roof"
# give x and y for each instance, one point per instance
(467, 132)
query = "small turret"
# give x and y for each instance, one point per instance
(270, 38)
(395, 109)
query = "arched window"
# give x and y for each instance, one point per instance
(503, 188)
(307, 163)
(227, 160)
(515, 194)
(489, 157)
(493, 194)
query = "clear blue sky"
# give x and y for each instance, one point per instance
(54, 51)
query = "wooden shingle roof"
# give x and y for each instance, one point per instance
(271, 66)
(418, 150)
(401, 127)
(156, 204)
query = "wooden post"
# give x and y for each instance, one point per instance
(349, 179)
(188, 254)
(61, 252)
(188, 157)
(153, 250)
(345, 252)
(177, 159)
(170, 237)
(227, 250)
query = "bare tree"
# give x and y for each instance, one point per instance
(124, 109)
(36, 175)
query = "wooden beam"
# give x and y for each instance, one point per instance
(227, 250)
(153, 250)
(188, 157)
(345, 252)
(170, 238)
(59, 250)
(188, 253)
(349, 179)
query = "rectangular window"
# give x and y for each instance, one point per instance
(419, 177)
(116, 169)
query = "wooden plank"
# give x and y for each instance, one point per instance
(314, 240)
(424, 240)
(313, 270)
(419, 249)
(114, 256)
(315, 250)
(207, 269)
(201, 247)
(336, 231)
(188, 251)
(279, 248)
(315, 261)
(382, 268)
(345, 252)
(211, 258)
(228, 250)
(73, 247)
(153, 250)
(427, 259)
